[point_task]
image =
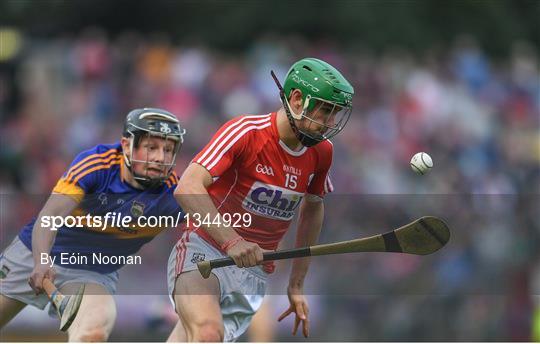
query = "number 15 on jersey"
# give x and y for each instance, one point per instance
(290, 181)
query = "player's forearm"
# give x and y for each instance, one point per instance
(309, 227)
(42, 240)
(43, 237)
(194, 199)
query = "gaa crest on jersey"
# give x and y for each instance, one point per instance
(263, 169)
(272, 201)
(137, 209)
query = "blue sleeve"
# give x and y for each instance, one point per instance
(88, 171)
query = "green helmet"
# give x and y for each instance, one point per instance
(321, 85)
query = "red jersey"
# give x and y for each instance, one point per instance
(255, 172)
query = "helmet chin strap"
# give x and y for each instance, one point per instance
(147, 183)
(304, 139)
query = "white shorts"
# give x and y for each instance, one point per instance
(241, 290)
(17, 263)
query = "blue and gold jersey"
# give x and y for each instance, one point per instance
(94, 180)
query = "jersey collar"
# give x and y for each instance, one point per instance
(281, 143)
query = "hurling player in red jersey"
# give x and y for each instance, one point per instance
(241, 193)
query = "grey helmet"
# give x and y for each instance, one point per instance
(157, 123)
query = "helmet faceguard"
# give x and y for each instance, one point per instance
(324, 91)
(147, 123)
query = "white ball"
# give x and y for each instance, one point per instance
(421, 163)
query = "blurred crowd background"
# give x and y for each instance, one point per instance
(468, 96)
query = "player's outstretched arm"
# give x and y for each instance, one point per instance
(309, 228)
(191, 193)
(43, 237)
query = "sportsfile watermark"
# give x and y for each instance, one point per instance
(110, 219)
(492, 250)
(118, 220)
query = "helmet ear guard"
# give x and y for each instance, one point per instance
(287, 105)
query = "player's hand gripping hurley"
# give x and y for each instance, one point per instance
(422, 236)
(66, 306)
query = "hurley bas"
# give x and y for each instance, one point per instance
(94, 259)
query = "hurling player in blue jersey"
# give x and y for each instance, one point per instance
(133, 177)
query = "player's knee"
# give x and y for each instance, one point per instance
(208, 331)
(96, 334)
